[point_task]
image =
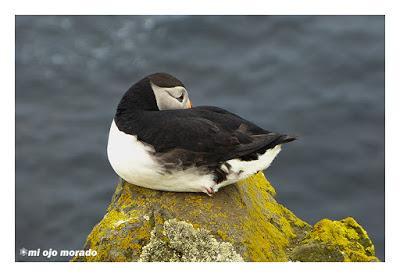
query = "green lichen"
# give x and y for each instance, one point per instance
(180, 242)
(269, 228)
(243, 218)
(342, 241)
(121, 233)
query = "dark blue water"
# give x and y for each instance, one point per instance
(320, 77)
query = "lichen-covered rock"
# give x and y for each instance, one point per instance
(343, 241)
(242, 222)
(180, 242)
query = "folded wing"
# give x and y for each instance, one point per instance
(205, 136)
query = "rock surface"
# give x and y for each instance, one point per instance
(242, 222)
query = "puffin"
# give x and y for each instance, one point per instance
(158, 140)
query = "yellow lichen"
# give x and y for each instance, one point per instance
(246, 215)
(268, 230)
(222, 235)
(345, 238)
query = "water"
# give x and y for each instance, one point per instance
(320, 77)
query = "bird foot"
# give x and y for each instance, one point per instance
(209, 191)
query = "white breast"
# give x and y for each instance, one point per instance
(134, 161)
(129, 157)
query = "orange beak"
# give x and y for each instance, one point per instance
(190, 104)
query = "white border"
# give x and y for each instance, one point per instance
(199, 7)
(7, 25)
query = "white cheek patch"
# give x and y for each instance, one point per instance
(168, 98)
(176, 92)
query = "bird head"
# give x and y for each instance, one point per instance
(156, 92)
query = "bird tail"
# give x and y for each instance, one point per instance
(286, 139)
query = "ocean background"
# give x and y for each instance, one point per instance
(319, 77)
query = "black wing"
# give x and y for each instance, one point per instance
(203, 136)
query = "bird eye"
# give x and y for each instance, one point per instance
(180, 99)
(177, 93)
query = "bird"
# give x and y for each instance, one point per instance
(158, 140)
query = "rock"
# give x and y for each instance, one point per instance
(180, 241)
(242, 222)
(333, 241)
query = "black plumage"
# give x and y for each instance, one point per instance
(201, 136)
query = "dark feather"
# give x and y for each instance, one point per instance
(201, 136)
